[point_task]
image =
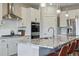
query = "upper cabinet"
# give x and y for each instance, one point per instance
(34, 14)
(49, 11)
(30, 15)
(48, 20)
(63, 19)
(0, 12)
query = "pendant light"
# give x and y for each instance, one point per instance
(67, 15)
(58, 9)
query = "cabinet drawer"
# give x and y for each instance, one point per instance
(3, 41)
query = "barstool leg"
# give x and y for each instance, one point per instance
(74, 54)
(77, 53)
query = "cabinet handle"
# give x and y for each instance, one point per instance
(16, 44)
(7, 45)
(3, 40)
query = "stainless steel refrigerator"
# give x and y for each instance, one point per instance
(71, 26)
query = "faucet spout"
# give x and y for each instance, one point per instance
(51, 28)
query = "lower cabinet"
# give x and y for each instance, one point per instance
(27, 49)
(0, 48)
(8, 47)
(3, 47)
(12, 47)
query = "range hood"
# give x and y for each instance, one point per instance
(10, 15)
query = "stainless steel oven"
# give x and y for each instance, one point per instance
(35, 30)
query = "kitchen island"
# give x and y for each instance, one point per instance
(42, 47)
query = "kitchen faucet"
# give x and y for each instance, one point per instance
(51, 28)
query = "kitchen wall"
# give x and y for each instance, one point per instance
(8, 26)
(29, 15)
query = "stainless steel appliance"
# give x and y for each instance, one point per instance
(22, 32)
(10, 14)
(71, 27)
(35, 30)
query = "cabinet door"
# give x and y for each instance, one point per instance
(63, 20)
(12, 47)
(49, 11)
(3, 47)
(47, 23)
(28, 49)
(37, 15)
(0, 48)
(35, 50)
(0, 12)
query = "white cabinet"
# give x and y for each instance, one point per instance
(47, 23)
(27, 49)
(35, 15)
(48, 19)
(8, 46)
(77, 26)
(63, 19)
(30, 15)
(49, 11)
(35, 50)
(0, 48)
(26, 20)
(12, 46)
(3, 47)
(0, 12)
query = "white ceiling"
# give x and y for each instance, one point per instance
(63, 6)
(55, 4)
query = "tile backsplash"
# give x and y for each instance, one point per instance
(8, 26)
(7, 31)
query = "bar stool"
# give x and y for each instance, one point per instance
(62, 52)
(71, 48)
(77, 48)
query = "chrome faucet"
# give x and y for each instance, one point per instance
(51, 28)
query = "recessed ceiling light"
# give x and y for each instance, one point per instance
(43, 4)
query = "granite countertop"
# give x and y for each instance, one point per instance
(11, 37)
(50, 42)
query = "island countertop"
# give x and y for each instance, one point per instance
(50, 42)
(43, 46)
